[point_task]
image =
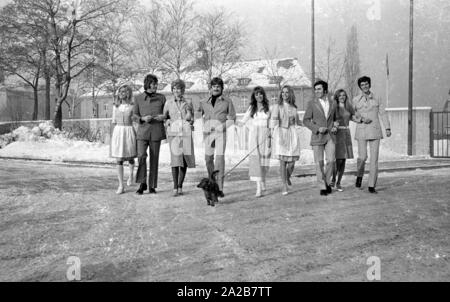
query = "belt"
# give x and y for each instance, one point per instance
(343, 127)
(124, 124)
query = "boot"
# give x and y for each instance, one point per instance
(358, 182)
(142, 188)
(372, 190)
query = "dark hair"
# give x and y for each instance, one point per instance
(291, 99)
(364, 79)
(180, 84)
(324, 85)
(118, 102)
(347, 104)
(253, 102)
(217, 81)
(149, 79)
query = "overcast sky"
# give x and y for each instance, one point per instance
(285, 25)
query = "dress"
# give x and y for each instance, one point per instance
(123, 140)
(259, 143)
(286, 141)
(344, 147)
(179, 133)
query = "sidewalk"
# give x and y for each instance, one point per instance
(300, 170)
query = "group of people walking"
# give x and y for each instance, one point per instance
(272, 134)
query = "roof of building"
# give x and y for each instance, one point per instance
(245, 74)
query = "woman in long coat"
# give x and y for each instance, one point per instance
(257, 119)
(179, 116)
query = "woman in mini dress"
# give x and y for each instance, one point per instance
(286, 142)
(123, 140)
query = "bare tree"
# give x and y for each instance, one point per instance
(181, 23)
(113, 48)
(219, 43)
(331, 65)
(352, 62)
(23, 46)
(70, 24)
(151, 35)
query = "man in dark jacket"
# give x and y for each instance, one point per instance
(148, 113)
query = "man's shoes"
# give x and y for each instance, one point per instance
(175, 193)
(339, 188)
(323, 193)
(332, 184)
(142, 188)
(220, 194)
(329, 190)
(372, 190)
(152, 191)
(180, 191)
(358, 182)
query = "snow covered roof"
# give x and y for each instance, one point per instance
(249, 74)
(245, 74)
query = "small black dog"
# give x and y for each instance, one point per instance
(210, 188)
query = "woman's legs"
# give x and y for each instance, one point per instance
(283, 174)
(120, 189)
(289, 171)
(182, 174)
(131, 167)
(175, 176)
(341, 169)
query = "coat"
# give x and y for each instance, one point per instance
(372, 108)
(315, 118)
(149, 105)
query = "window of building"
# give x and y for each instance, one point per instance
(244, 81)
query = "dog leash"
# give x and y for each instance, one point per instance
(242, 160)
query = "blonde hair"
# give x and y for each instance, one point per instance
(130, 98)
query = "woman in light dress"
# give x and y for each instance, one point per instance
(286, 143)
(257, 119)
(179, 115)
(123, 140)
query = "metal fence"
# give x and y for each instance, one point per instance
(440, 134)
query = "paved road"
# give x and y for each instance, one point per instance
(50, 212)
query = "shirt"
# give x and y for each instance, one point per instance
(326, 106)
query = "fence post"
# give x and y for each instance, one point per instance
(431, 133)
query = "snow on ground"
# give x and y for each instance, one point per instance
(44, 142)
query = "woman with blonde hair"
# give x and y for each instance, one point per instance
(344, 148)
(123, 140)
(179, 115)
(286, 142)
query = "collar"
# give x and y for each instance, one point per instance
(370, 96)
(219, 98)
(149, 95)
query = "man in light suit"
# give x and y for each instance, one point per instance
(320, 118)
(369, 108)
(218, 114)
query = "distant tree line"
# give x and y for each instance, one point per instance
(81, 46)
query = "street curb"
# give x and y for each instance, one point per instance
(87, 164)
